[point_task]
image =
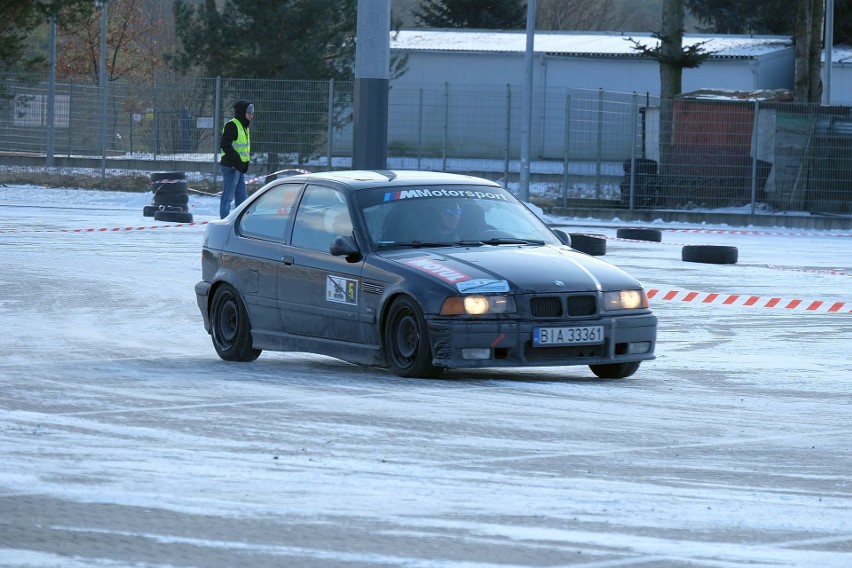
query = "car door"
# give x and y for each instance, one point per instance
(257, 252)
(319, 294)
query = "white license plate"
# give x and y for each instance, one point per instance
(543, 336)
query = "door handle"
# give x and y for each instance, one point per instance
(288, 260)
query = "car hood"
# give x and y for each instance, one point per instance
(517, 269)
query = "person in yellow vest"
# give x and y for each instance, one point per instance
(234, 159)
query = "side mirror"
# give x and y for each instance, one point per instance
(563, 236)
(345, 246)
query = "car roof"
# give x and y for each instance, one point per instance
(357, 179)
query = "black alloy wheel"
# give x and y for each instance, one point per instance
(230, 328)
(406, 341)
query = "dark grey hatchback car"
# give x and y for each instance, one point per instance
(416, 271)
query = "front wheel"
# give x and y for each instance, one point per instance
(230, 327)
(615, 370)
(406, 341)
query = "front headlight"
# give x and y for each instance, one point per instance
(476, 305)
(625, 300)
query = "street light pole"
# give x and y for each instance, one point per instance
(526, 130)
(51, 92)
(829, 56)
(103, 84)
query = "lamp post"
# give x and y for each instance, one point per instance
(51, 92)
(526, 130)
(829, 56)
(102, 4)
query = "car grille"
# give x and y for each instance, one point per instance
(561, 305)
(563, 352)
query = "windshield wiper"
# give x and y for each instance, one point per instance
(511, 241)
(416, 244)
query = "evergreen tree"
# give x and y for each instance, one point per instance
(481, 14)
(776, 17)
(20, 19)
(268, 39)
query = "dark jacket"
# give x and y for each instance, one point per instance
(229, 134)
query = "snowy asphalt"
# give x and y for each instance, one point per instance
(126, 442)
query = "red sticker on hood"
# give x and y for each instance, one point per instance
(438, 269)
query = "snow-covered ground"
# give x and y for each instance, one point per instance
(125, 441)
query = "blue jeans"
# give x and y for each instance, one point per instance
(233, 189)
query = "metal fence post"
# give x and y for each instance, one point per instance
(566, 160)
(419, 126)
(446, 126)
(330, 124)
(217, 128)
(754, 147)
(508, 147)
(598, 192)
(635, 114)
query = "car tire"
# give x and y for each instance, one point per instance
(640, 234)
(406, 341)
(615, 370)
(230, 328)
(149, 210)
(710, 254)
(173, 216)
(170, 188)
(171, 199)
(588, 243)
(167, 175)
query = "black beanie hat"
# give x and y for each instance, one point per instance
(241, 107)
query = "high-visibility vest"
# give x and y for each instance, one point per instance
(243, 142)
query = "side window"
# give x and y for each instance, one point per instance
(267, 217)
(322, 215)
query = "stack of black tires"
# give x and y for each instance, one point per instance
(171, 200)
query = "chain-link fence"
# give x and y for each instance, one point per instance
(588, 148)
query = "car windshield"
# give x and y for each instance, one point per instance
(449, 215)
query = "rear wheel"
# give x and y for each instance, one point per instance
(406, 340)
(230, 327)
(615, 370)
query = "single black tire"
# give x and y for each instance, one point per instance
(640, 234)
(167, 175)
(159, 188)
(589, 243)
(149, 210)
(710, 254)
(171, 199)
(615, 370)
(230, 328)
(173, 216)
(406, 341)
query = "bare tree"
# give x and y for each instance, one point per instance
(130, 48)
(809, 24)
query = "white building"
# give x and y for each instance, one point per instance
(588, 60)
(841, 76)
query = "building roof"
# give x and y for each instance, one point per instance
(585, 44)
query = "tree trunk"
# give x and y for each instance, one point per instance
(809, 26)
(671, 49)
(671, 74)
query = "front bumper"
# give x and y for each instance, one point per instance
(509, 344)
(202, 291)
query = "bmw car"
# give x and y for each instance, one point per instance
(416, 272)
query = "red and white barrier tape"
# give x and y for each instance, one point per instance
(815, 306)
(753, 232)
(106, 229)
